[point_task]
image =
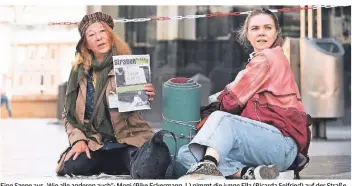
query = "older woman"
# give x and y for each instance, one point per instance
(100, 142)
(260, 124)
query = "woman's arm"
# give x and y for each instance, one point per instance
(74, 134)
(248, 82)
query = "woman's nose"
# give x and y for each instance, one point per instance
(98, 37)
(261, 31)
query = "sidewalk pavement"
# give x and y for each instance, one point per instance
(33, 147)
(330, 159)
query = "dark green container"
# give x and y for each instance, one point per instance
(181, 104)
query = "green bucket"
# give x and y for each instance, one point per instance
(181, 103)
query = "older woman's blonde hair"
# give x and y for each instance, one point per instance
(84, 57)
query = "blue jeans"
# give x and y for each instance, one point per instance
(5, 100)
(240, 142)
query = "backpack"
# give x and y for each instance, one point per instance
(302, 159)
(153, 159)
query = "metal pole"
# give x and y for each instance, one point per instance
(303, 34)
(303, 23)
(319, 24)
(310, 23)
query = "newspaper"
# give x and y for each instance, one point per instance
(131, 73)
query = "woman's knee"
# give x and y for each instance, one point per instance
(216, 117)
(80, 166)
(218, 120)
(218, 114)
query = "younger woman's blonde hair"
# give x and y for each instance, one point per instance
(84, 57)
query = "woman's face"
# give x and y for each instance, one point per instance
(98, 39)
(261, 32)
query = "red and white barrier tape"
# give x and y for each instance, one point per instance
(221, 14)
(299, 8)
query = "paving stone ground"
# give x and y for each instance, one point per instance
(30, 149)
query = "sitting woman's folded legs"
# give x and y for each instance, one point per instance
(240, 142)
(82, 165)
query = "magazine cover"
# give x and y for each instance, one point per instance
(131, 73)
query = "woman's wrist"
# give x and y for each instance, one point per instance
(79, 141)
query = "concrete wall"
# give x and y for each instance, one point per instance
(32, 107)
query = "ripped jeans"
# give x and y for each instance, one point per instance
(240, 142)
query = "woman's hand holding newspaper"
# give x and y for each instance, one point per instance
(149, 90)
